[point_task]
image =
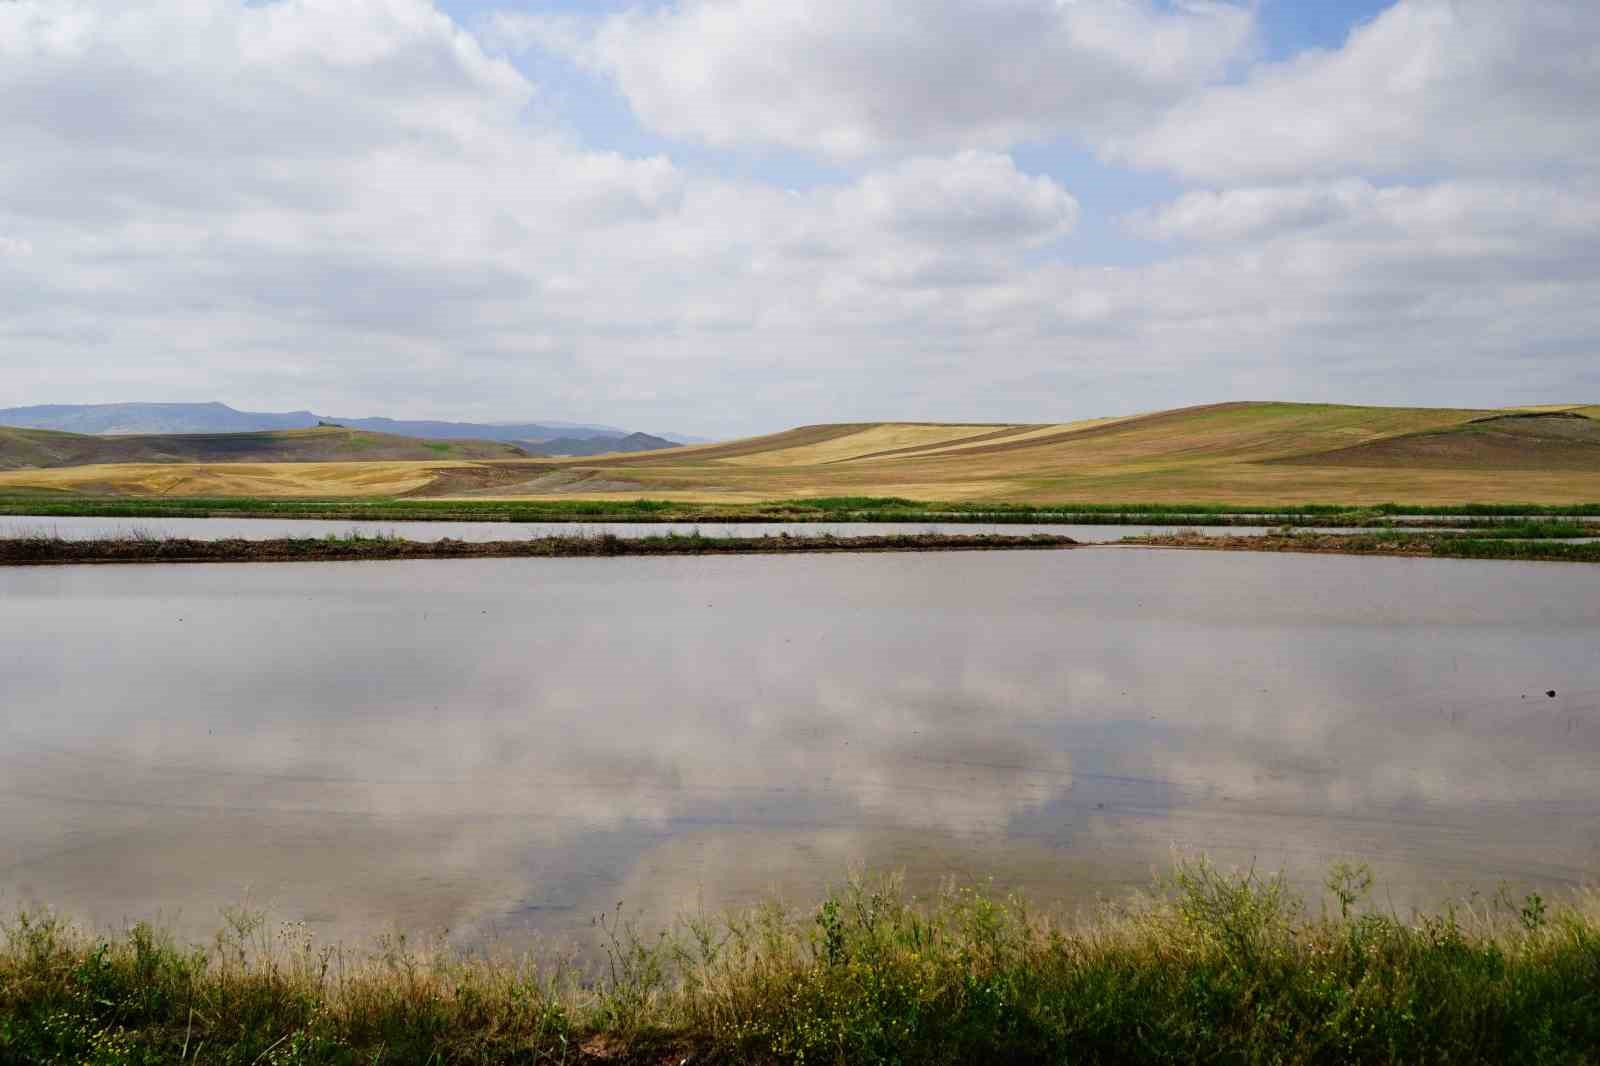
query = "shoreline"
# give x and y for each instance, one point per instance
(137, 550)
(52, 551)
(1393, 545)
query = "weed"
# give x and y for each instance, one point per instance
(1213, 965)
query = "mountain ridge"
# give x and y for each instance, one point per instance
(582, 447)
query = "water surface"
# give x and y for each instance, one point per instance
(506, 747)
(480, 532)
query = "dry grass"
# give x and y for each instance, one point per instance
(234, 479)
(867, 441)
(34, 448)
(1226, 454)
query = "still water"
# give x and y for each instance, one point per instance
(480, 532)
(506, 747)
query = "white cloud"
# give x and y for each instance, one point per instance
(858, 77)
(1237, 214)
(1474, 85)
(974, 198)
(1458, 216)
(345, 202)
(351, 206)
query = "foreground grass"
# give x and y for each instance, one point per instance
(1214, 967)
(52, 550)
(811, 509)
(1537, 541)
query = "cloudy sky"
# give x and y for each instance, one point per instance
(731, 216)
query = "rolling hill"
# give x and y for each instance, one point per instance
(1238, 453)
(576, 446)
(44, 449)
(1553, 440)
(1232, 453)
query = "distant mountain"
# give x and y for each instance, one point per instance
(169, 418)
(578, 446)
(519, 432)
(130, 418)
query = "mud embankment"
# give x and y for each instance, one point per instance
(44, 551)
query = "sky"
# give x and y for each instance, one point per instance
(725, 217)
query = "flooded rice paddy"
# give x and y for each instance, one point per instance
(507, 747)
(482, 532)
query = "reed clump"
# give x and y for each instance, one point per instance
(1215, 966)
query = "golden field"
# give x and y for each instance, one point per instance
(1236, 453)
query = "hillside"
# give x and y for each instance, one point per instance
(581, 446)
(151, 418)
(1545, 440)
(1225, 453)
(43, 449)
(1234, 453)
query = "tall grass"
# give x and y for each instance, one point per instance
(1534, 550)
(1214, 966)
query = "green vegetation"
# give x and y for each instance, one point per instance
(1214, 967)
(33, 550)
(1527, 530)
(850, 504)
(824, 509)
(1464, 548)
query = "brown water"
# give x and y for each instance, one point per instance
(510, 746)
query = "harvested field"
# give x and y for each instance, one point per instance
(1533, 441)
(1235, 454)
(37, 448)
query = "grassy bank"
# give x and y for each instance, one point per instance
(1214, 967)
(826, 509)
(50, 550)
(1533, 542)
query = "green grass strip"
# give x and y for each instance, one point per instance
(829, 509)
